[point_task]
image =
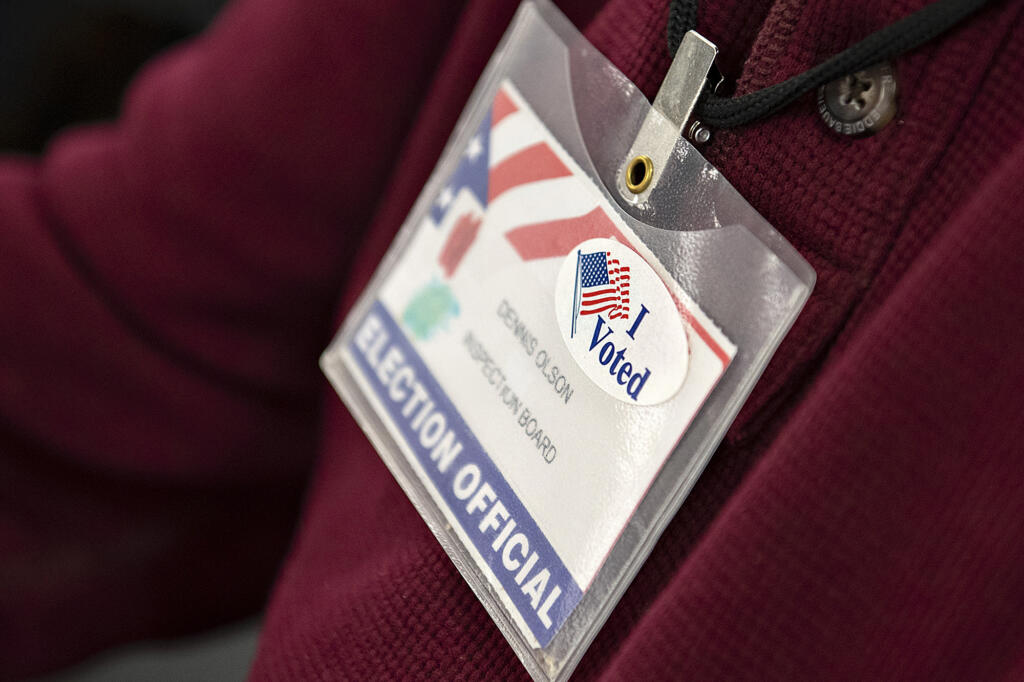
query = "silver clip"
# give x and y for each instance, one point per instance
(668, 118)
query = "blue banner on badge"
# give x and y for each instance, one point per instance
(475, 493)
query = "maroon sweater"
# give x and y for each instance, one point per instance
(169, 281)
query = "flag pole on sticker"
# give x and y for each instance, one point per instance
(576, 295)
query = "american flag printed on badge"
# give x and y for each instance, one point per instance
(602, 285)
(510, 159)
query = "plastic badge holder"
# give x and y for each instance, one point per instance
(740, 272)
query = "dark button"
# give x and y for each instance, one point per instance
(860, 104)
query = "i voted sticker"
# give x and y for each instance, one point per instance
(620, 323)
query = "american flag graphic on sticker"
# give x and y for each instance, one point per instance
(603, 286)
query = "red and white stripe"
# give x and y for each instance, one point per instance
(619, 274)
(552, 214)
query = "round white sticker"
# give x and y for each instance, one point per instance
(621, 323)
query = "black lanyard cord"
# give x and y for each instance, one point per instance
(891, 41)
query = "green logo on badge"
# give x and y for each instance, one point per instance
(430, 309)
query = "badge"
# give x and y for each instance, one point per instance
(529, 363)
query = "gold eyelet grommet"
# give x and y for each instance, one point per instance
(639, 174)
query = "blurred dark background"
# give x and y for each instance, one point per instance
(64, 62)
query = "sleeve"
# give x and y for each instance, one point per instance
(168, 283)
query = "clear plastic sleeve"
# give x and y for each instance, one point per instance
(741, 272)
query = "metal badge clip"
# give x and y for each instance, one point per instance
(669, 117)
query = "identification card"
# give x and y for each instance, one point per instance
(527, 365)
